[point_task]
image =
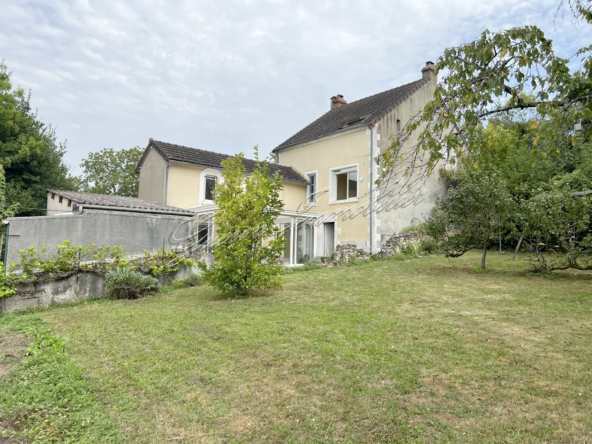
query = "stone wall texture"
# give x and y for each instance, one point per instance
(390, 247)
(44, 293)
(398, 241)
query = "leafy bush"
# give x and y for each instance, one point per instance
(125, 283)
(249, 242)
(163, 261)
(410, 250)
(192, 281)
(68, 258)
(7, 287)
(429, 246)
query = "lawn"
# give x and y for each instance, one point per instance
(425, 350)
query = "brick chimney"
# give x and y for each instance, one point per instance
(428, 72)
(337, 101)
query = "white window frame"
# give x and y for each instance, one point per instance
(202, 184)
(308, 187)
(333, 175)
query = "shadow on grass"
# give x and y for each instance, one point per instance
(462, 270)
(259, 294)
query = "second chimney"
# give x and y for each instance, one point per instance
(428, 72)
(337, 101)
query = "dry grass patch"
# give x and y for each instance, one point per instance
(12, 350)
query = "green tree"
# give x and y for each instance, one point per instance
(472, 214)
(559, 230)
(548, 208)
(515, 69)
(249, 242)
(6, 210)
(111, 172)
(31, 156)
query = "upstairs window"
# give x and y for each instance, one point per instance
(311, 190)
(345, 182)
(210, 187)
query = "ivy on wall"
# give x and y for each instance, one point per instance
(69, 259)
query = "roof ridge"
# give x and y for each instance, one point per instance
(372, 107)
(211, 159)
(208, 151)
(383, 92)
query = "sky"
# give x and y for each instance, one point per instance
(227, 75)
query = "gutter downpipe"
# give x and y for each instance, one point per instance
(372, 126)
(166, 184)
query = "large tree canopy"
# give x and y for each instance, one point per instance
(111, 172)
(499, 72)
(31, 156)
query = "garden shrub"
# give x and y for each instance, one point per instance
(192, 281)
(410, 250)
(429, 246)
(125, 283)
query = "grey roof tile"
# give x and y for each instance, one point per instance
(131, 203)
(354, 115)
(209, 159)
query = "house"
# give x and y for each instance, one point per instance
(329, 174)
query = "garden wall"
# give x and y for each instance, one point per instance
(391, 246)
(43, 293)
(136, 232)
(398, 241)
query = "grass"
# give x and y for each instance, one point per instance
(420, 350)
(47, 398)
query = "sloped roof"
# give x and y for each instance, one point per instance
(354, 115)
(209, 159)
(129, 203)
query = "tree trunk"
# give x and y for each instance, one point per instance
(518, 246)
(483, 258)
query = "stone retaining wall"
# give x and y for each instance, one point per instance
(391, 246)
(398, 241)
(344, 252)
(43, 293)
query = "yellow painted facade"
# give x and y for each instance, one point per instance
(321, 156)
(183, 188)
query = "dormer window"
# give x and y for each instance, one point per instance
(211, 182)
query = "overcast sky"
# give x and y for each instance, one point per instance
(226, 75)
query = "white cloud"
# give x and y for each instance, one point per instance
(225, 75)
